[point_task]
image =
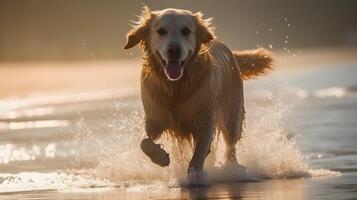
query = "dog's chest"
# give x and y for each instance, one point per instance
(185, 114)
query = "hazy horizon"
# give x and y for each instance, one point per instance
(40, 30)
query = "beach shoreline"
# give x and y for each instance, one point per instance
(22, 79)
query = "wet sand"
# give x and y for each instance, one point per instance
(70, 131)
(19, 80)
(324, 188)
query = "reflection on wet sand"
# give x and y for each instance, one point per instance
(273, 189)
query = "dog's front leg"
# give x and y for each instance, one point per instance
(154, 151)
(203, 140)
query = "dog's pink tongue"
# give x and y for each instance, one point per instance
(173, 69)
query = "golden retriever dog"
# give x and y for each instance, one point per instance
(191, 84)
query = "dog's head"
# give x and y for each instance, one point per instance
(172, 36)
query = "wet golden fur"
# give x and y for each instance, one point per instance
(208, 97)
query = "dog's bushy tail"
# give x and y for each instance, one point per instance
(254, 63)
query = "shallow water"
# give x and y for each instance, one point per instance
(300, 143)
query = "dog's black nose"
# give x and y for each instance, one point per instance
(174, 51)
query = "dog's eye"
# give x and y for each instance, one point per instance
(185, 31)
(161, 31)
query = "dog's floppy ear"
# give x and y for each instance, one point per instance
(141, 28)
(205, 30)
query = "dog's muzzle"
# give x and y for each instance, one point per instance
(174, 67)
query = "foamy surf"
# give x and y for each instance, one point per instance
(300, 93)
(268, 150)
(35, 181)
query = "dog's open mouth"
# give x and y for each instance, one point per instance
(173, 68)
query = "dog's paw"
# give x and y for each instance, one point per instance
(235, 165)
(154, 151)
(235, 168)
(196, 179)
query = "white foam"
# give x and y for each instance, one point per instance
(300, 93)
(337, 92)
(6, 105)
(34, 181)
(323, 173)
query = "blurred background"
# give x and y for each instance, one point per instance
(67, 30)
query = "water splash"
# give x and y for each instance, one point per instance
(267, 149)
